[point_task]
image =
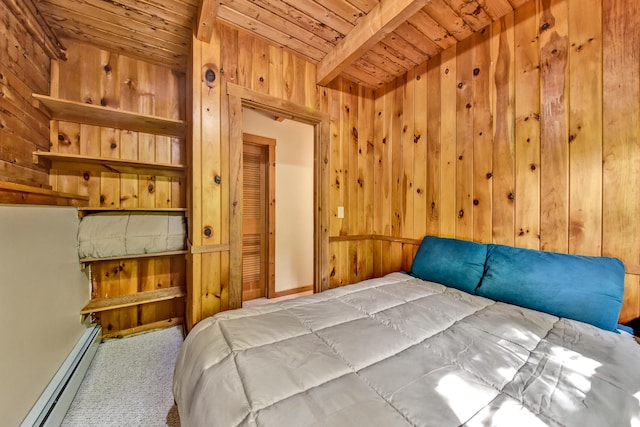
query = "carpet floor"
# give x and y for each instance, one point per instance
(129, 383)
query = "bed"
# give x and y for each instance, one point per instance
(402, 350)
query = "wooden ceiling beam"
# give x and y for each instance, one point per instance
(371, 29)
(207, 13)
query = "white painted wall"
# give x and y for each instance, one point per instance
(294, 196)
(43, 290)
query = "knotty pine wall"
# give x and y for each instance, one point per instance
(95, 76)
(515, 136)
(24, 68)
(244, 60)
(526, 134)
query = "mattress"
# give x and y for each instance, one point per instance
(399, 351)
(117, 234)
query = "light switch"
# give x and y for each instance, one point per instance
(340, 211)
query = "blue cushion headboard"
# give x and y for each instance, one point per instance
(588, 289)
(451, 262)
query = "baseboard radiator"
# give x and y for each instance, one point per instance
(54, 402)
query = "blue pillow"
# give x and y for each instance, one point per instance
(451, 262)
(588, 289)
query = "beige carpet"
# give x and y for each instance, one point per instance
(129, 383)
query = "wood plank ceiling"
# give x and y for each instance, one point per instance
(368, 41)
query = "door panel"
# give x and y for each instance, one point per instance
(254, 239)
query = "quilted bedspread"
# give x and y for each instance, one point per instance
(399, 351)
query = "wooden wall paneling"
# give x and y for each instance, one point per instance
(397, 257)
(349, 123)
(67, 87)
(309, 88)
(337, 226)
(129, 188)
(350, 138)
(386, 258)
(108, 276)
(334, 267)
(378, 162)
(126, 69)
(146, 282)
(377, 262)
(448, 130)
(211, 166)
(144, 91)
(193, 302)
(366, 190)
(585, 127)
(322, 134)
(554, 120)
(210, 283)
(353, 263)
(386, 175)
(260, 66)
(163, 147)
(228, 64)
(21, 55)
(502, 177)
(299, 80)
(235, 200)
(419, 160)
(68, 143)
(408, 139)
(90, 181)
(434, 148)
(211, 146)
(275, 71)
(178, 144)
(245, 59)
(397, 167)
(482, 138)
(287, 75)
(464, 139)
(128, 285)
(109, 182)
(527, 128)
(621, 145)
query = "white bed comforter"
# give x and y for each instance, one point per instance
(399, 351)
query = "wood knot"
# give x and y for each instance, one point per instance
(511, 196)
(208, 231)
(461, 213)
(86, 176)
(150, 188)
(476, 71)
(476, 202)
(103, 102)
(107, 69)
(460, 85)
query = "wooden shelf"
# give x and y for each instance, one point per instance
(151, 255)
(83, 211)
(72, 111)
(25, 194)
(106, 209)
(122, 301)
(74, 162)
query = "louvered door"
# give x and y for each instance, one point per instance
(254, 225)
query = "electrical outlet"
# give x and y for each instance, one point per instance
(340, 212)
